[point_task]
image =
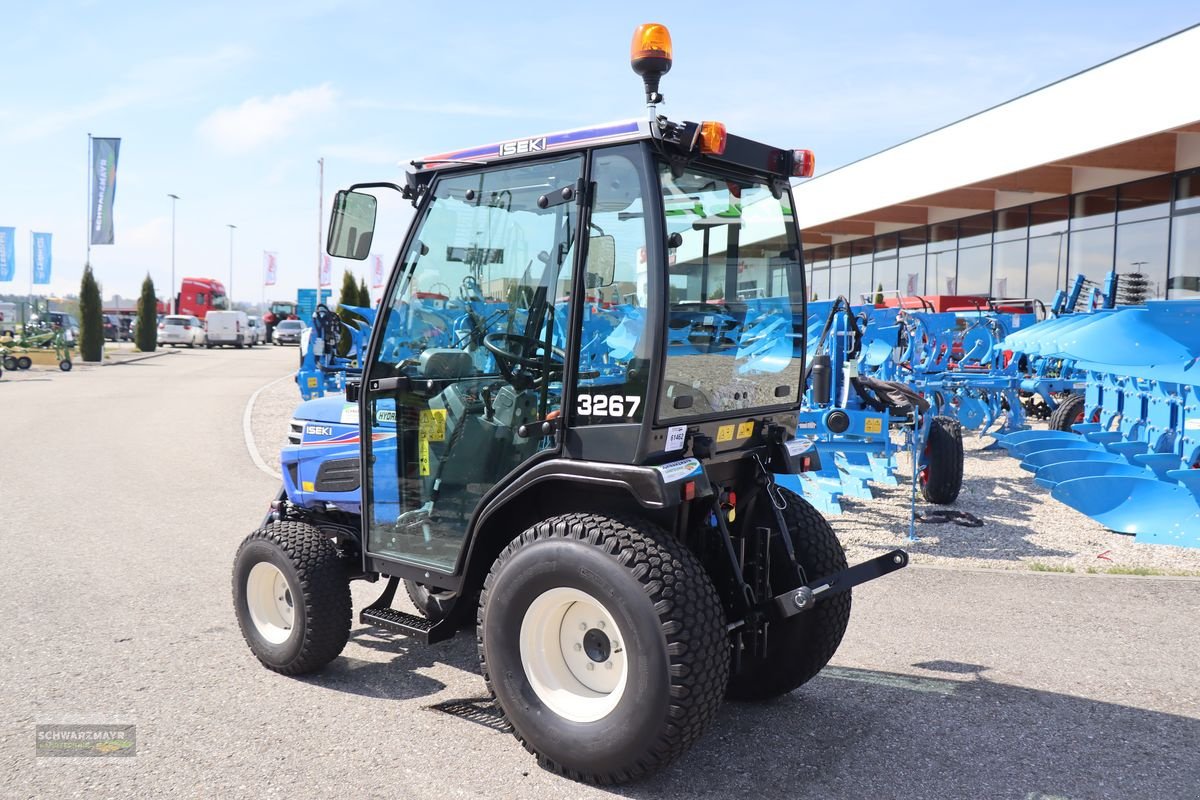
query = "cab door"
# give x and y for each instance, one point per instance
(468, 348)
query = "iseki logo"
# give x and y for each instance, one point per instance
(522, 146)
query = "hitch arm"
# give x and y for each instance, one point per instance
(796, 601)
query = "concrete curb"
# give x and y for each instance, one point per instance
(142, 357)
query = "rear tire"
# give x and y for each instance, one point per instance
(291, 595)
(942, 475)
(799, 647)
(630, 602)
(1069, 412)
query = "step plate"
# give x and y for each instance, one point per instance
(407, 624)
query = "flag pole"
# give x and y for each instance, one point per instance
(320, 222)
(88, 195)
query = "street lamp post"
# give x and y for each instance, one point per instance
(229, 291)
(174, 304)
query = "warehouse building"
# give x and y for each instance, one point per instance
(1099, 171)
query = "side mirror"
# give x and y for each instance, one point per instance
(601, 261)
(352, 226)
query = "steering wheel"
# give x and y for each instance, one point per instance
(514, 350)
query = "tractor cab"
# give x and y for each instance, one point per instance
(585, 306)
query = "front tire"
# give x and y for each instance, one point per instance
(24, 362)
(291, 595)
(604, 644)
(798, 647)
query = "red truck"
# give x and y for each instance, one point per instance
(198, 296)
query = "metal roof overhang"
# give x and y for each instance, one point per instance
(1135, 116)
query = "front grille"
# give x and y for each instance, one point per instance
(294, 431)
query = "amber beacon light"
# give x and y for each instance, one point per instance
(650, 56)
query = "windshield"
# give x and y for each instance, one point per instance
(220, 302)
(736, 298)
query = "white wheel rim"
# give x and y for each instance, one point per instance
(270, 602)
(574, 654)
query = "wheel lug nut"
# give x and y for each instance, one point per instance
(583, 626)
(608, 665)
(578, 647)
(600, 624)
(591, 666)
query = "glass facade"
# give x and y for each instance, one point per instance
(1150, 226)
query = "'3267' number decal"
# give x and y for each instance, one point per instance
(607, 405)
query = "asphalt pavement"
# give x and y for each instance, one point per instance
(124, 492)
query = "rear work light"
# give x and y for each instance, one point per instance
(712, 138)
(804, 163)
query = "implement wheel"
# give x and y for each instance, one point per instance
(10, 363)
(800, 646)
(24, 362)
(604, 644)
(1069, 412)
(65, 365)
(291, 595)
(942, 471)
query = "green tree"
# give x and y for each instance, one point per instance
(879, 295)
(347, 297)
(146, 333)
(364, 294)
(91, 323)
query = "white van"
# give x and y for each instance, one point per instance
(227, 327)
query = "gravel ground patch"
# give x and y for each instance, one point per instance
(1024, 527)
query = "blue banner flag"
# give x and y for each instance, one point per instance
(41, 257)
(104, 188)
(8, 266)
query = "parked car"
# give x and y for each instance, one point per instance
(127, 327)
(112, 328)
(177, 329)
(227, 327)
(260, 332)
(288, 332)
(69, 324)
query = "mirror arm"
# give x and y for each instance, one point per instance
(405, 191)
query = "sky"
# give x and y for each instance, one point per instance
(230, 105)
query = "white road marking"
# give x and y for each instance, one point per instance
(248, 429)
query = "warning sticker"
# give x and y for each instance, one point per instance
(873, 425)
(423, 457)
(745, 430)
(432, 425)
(678, 470)
(725, 433)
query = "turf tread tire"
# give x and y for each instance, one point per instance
(690, 618)
(323, 602)
(801, 646)
(944, 479)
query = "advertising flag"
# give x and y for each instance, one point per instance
(8, 266)
(910, 287)
(326, 271)
(269, 268)
(41, 257)
(377, 272)
(104, 188)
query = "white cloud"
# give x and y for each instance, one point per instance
(259, 121)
